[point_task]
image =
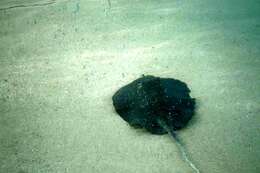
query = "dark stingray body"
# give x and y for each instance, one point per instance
(145, 101)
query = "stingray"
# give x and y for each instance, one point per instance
(158, 105)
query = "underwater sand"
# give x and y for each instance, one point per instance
(60, 64)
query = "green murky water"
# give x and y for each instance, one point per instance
(61, 62)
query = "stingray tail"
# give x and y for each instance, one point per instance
(109, 3)
(179, 145)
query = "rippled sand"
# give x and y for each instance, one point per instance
(60, 64)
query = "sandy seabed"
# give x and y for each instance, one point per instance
(60, 64)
